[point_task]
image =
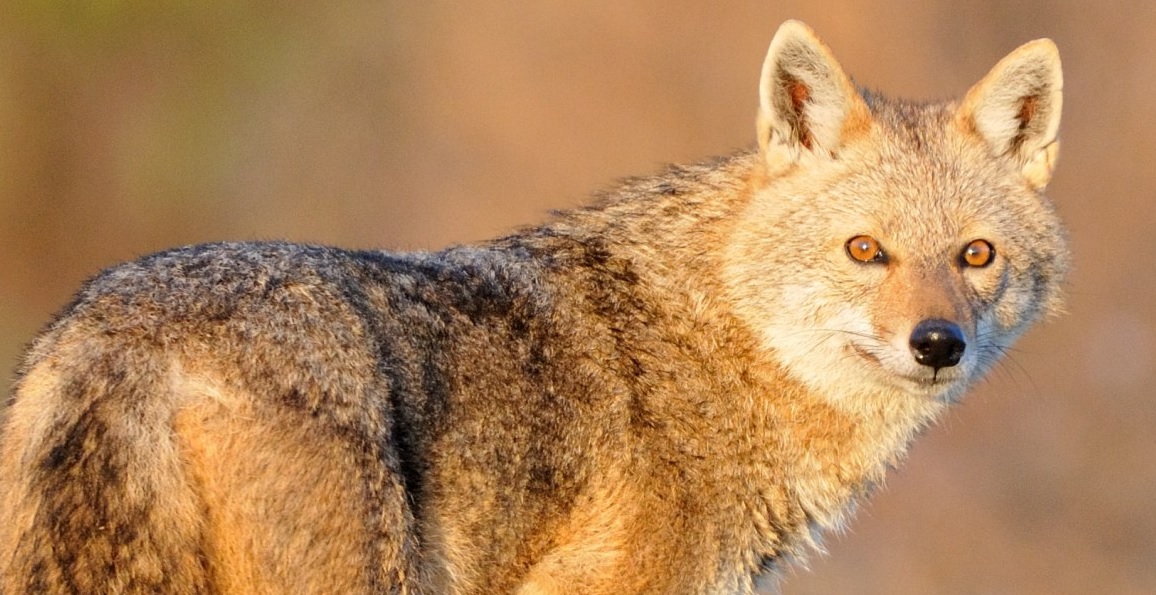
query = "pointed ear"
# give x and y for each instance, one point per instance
(807, 105)
(1015, 109)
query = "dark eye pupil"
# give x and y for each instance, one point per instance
(978, 253)
(864, 249)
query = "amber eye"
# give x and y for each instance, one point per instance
(979, 253)
(865, 249)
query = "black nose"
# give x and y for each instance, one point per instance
(937, 343)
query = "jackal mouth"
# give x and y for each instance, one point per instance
(936, 378)
(872, 356)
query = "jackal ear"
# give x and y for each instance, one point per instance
(807, 105)
(1016, 109)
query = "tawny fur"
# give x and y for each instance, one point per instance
(673, 390)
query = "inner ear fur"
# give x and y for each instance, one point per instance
(1016, 108)
(807, 105)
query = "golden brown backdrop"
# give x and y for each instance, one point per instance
(131, 125)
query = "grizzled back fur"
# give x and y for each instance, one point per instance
(673, 390)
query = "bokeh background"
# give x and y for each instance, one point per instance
(127, 126)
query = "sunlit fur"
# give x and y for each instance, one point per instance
(673, 390)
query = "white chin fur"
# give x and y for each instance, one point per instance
(845, 351)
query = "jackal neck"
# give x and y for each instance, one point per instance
(671, 225)
(703, 387)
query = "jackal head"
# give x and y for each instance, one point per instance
(893, 245)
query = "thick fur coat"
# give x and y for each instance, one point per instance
(672, 390)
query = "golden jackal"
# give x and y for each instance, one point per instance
(669, 391)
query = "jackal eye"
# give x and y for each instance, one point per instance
(978, 253)
(865, 249)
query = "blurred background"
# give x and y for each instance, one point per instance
(127, 126)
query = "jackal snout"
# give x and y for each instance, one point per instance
(937, 343)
